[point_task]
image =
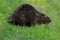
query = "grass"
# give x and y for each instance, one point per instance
(39, 32)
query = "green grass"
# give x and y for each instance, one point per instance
(38, 32)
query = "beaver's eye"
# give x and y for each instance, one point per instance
(42, 17)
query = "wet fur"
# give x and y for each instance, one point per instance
(27, 15)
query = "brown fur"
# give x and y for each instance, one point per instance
(26, 15)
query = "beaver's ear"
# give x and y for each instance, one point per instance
(42, 14)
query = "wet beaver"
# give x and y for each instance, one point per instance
(27, 15)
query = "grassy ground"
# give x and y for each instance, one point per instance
(39, 32)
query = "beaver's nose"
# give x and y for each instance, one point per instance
(48, 20)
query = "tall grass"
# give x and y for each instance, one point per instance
(38, 32)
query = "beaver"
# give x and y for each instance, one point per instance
(27, 15)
